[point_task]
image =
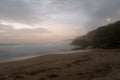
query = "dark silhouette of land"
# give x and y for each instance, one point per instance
(105, 37)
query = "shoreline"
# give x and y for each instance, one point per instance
(22, 58)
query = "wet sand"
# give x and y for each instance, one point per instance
(74, 65)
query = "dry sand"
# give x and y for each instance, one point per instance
(91, 65)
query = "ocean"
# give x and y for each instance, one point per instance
(16, 50)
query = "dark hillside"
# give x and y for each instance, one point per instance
(106, 37)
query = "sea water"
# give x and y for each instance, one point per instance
(16, 50)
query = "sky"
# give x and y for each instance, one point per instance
(48, 20)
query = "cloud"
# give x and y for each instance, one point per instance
(71, 14)
(100, 11)
(17, 11)
(39, 11)
(9, 34)
(6, 29)
(87, 13)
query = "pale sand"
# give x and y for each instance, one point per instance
(92, 65)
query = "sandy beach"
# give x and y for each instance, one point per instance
(74, 65)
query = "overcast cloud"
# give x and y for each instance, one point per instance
(78, 16)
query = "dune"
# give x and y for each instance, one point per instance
(74, 65)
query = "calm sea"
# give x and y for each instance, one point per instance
(10, 51)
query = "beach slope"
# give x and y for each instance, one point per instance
(89, 65)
